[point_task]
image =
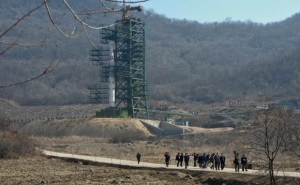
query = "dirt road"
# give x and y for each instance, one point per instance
(94, 159)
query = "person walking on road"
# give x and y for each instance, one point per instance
(200, 160)
(186, 160)
(222, 160)
(207, 159)
(217, 162)
(178, 159)
(236, 162)
(212, 161)
(195, 159)
(167, 158)
(204, 160)
(244, 162)
(181, 159)
(138, 157)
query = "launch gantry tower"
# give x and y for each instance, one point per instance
(121, 57)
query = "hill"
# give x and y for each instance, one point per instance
(186, 61)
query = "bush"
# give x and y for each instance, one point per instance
(12, 143)
(123, 114)
(5, 123)
(127, 136)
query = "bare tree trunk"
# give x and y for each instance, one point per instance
(271, 173)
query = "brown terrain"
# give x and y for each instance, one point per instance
(41, 170)
(71, 129)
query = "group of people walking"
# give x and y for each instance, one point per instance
(236, 162)
(180, 158)
(212, 161)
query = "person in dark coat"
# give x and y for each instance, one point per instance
(204, 161)
(181, 159)
(222, 160)
(167, 158)
(186, 160)
(195, 159)
(217, 162)
(212, 161)
(207, 159)
(178, 159)
(138, 157)
(236, 162)
(244, 162)
(200, 160)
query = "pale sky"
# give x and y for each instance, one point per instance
(260, 11)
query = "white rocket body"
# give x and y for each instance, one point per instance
(111, 81)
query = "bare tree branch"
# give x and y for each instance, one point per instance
(272, 131)
(17, 43)
(55, 25)
(82, 22)
(20, 19)
(6, 49)
(50, 68)
(42, 42)
(88, 37)
(9, 47)
(85, 25)
(104, 4)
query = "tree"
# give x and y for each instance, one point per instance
(271, 138)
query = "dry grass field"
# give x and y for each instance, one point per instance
(40, 170)
(122, 139)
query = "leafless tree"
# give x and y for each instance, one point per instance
(270, 139)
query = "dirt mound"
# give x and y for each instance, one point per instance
(121, 123)
(94, 127)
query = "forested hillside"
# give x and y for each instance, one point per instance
(186, 60)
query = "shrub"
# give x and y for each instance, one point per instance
(5, 123)
(12, 143)
(123, 114)
(127, 136)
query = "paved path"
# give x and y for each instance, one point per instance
(121, 162)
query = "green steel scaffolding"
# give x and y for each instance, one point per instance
(128, 39)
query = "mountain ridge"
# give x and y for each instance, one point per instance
(186, 60)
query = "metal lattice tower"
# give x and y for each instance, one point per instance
(131, 86)
(102, 57)
(129, 69)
